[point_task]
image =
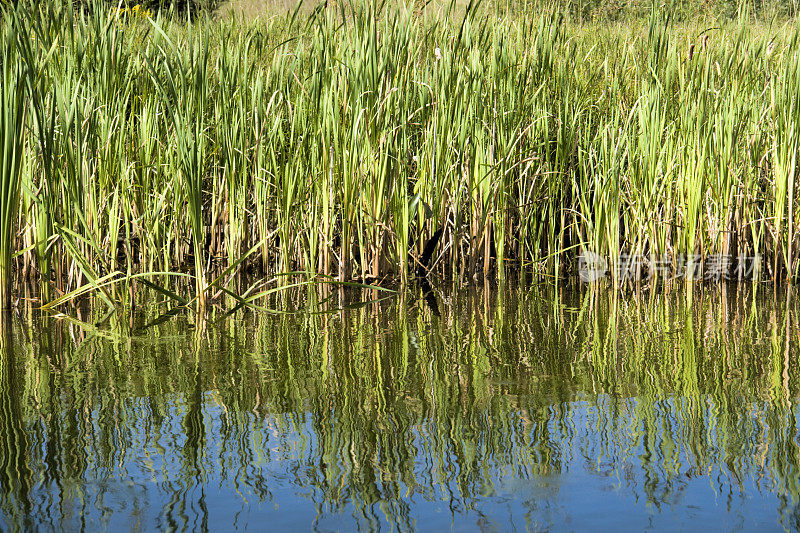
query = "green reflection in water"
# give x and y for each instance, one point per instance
(391, 414)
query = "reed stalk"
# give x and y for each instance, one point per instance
(12, 142)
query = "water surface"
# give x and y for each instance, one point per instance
(476, 410)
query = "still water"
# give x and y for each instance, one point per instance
(474, 410)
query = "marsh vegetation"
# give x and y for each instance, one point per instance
(156, 160)
(338, 142)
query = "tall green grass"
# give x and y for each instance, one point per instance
(339, 142)
(12, 122)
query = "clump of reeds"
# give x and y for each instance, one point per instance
(339, 144)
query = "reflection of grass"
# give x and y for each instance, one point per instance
(390, 398)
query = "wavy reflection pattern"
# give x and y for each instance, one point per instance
(361, 417)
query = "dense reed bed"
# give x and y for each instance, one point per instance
(351, 141)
